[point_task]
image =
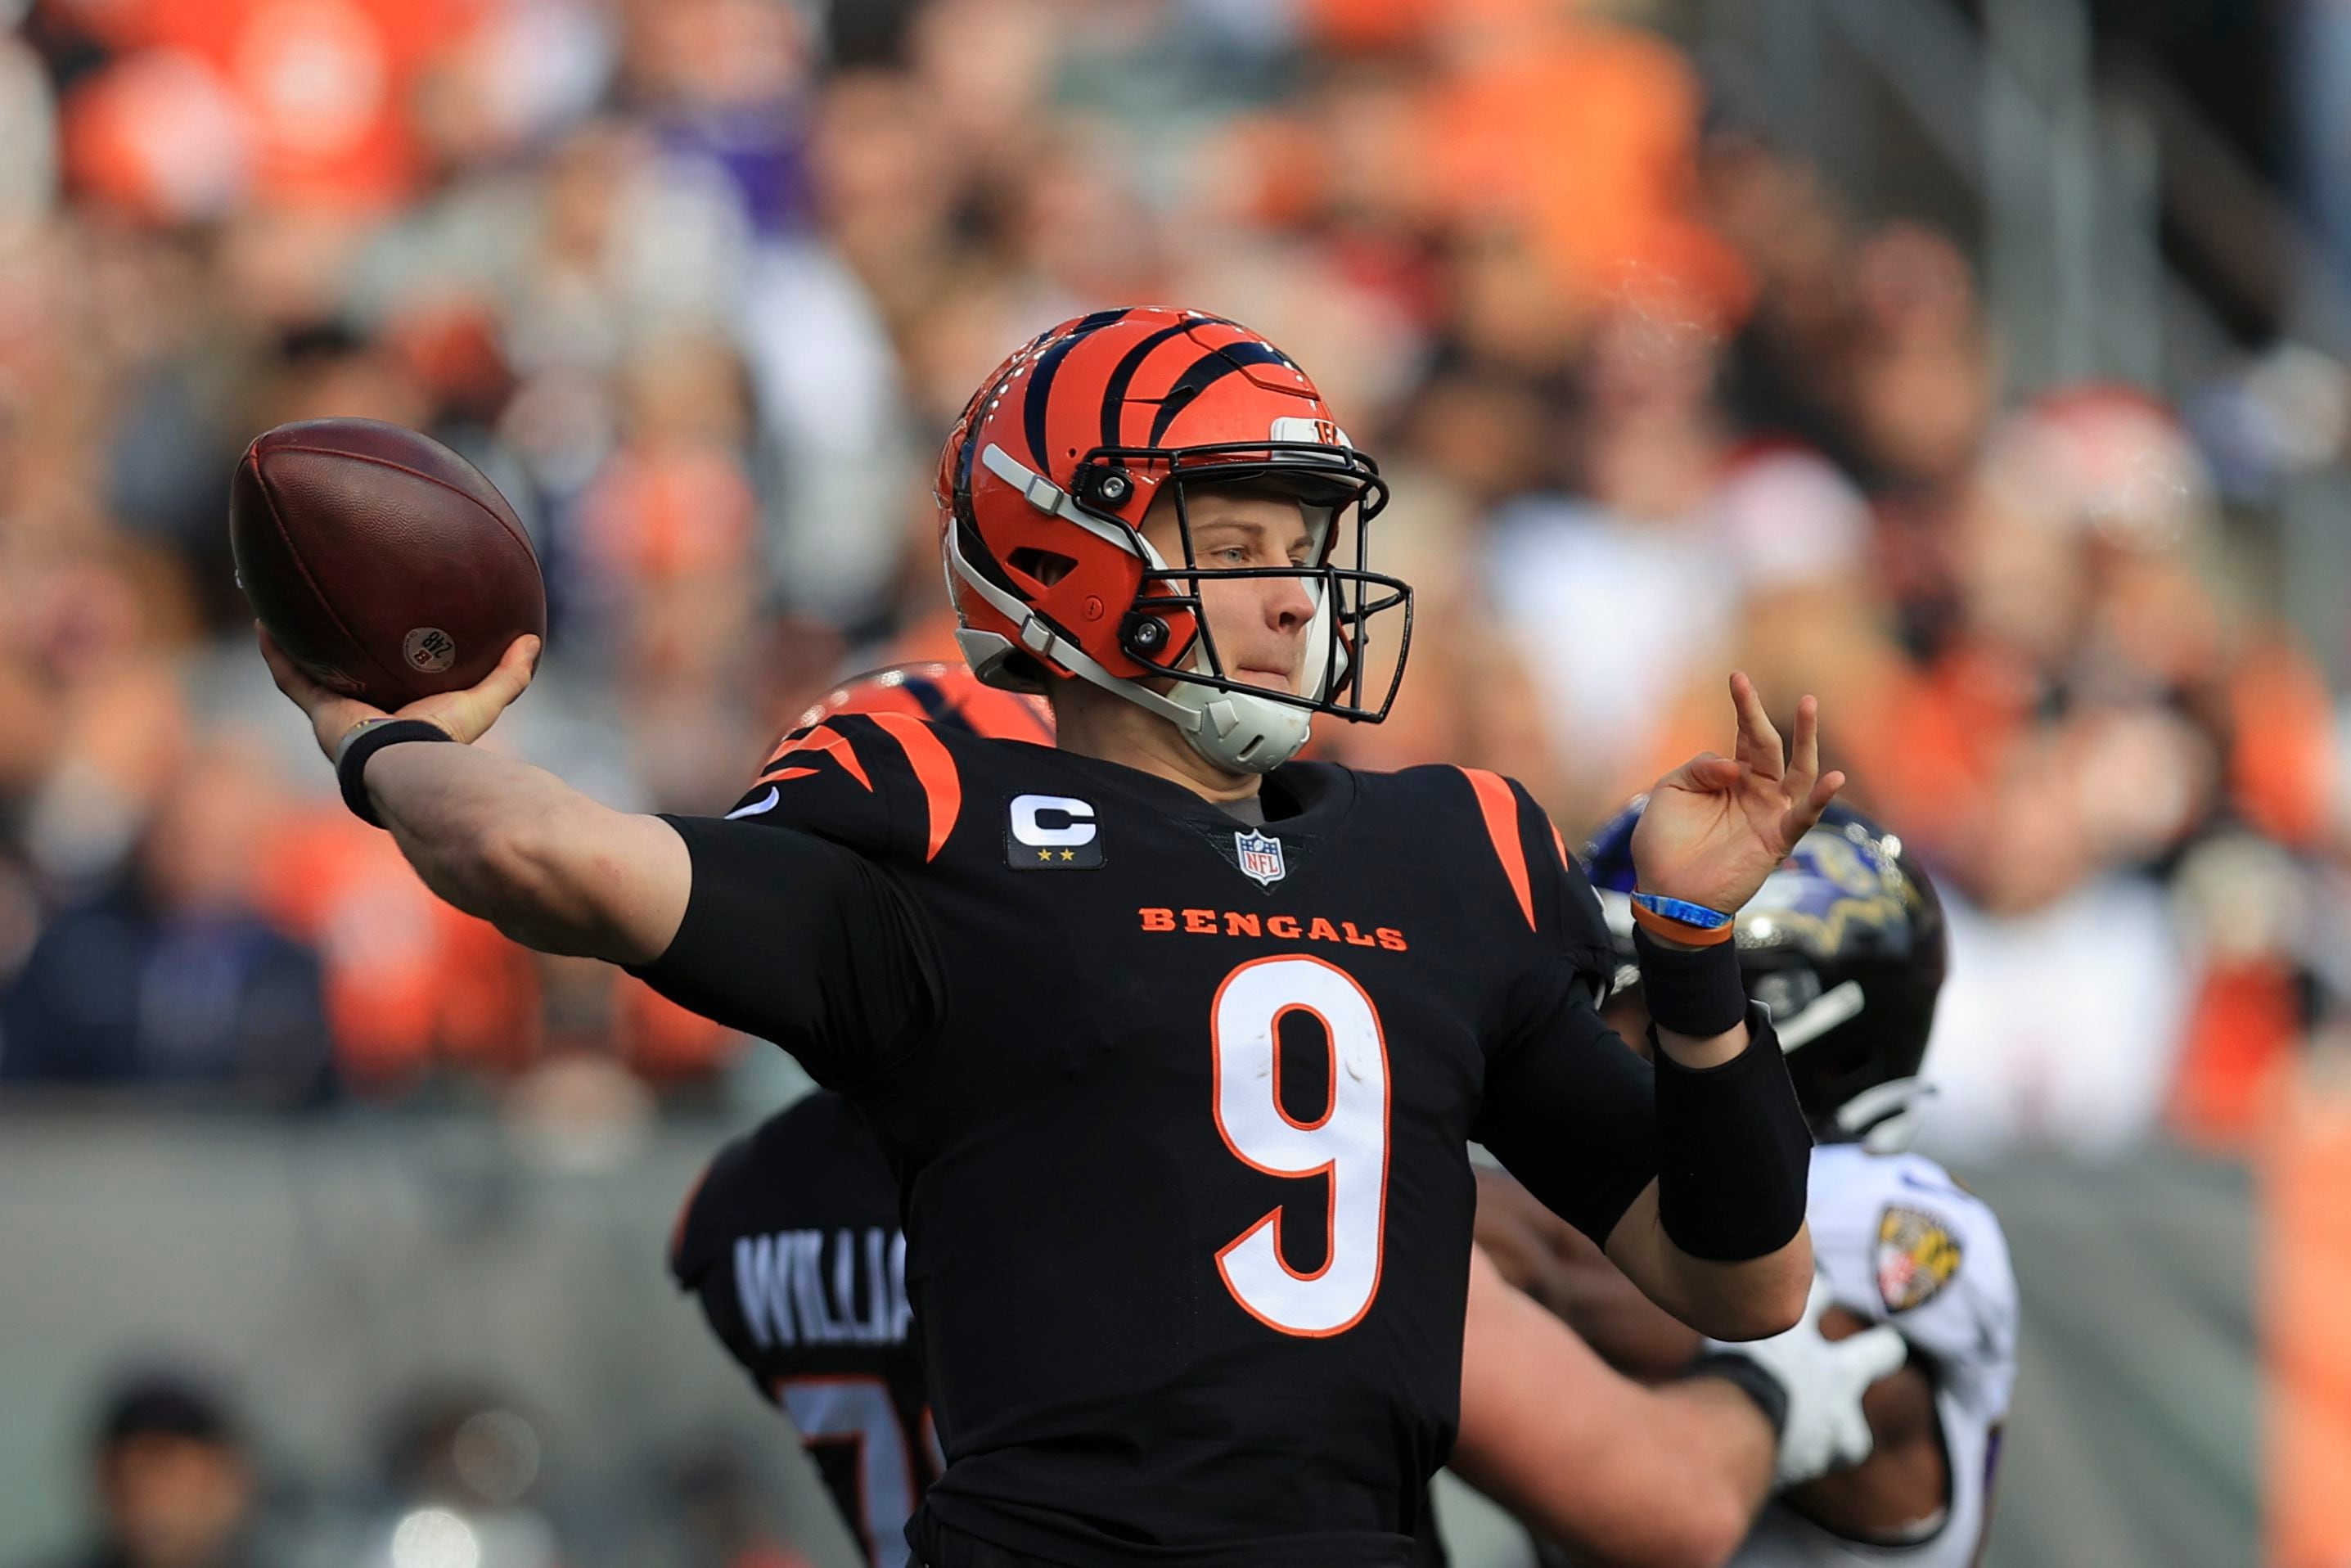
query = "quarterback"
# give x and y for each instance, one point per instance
(790, 1243)
(1174, 1044)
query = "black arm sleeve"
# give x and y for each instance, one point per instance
(1572, 1110)
(800, 941)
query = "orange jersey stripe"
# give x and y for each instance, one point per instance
(823, 737)
(934, 769)
(1500, 808)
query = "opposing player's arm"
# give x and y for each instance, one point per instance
(1613, 1470)
(1906, 1478)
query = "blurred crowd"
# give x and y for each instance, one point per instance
(700, 283)
(176, 1478)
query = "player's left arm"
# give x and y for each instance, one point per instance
(1739, 1299)
(1695, 1191)
(1706, 1212)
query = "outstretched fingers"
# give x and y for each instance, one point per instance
(1807, 809)
(1804, 756)
(1758, 740)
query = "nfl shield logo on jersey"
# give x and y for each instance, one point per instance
(1259, 857)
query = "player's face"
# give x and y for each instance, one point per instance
(1259, 624)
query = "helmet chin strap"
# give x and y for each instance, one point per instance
(1884, 1118)
(1239, 731)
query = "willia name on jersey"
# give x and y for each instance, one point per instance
(816, 1287)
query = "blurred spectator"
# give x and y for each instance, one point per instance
(463, 1470)
(170, 976)
(720, 1509)
(174, 1484)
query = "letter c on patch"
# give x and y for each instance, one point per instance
(1053, 821)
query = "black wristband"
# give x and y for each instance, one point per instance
(1694, 991)
(350, 762)
(1734, 1152)
(1771, 1395)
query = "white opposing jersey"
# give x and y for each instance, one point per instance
(1902, 1243)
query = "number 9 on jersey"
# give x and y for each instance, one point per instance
(1347, 1144)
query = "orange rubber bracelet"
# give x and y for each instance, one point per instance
(1681, 931)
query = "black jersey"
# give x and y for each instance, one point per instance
(792, 1245)
(1177, 1110)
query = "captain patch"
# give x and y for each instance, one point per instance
(1916, 1258)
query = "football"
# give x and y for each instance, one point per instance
(383, 564)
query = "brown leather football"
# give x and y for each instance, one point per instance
(383, 562)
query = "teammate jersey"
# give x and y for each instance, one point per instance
(1901, 1243)
(791, 1243)
(1176, 1108)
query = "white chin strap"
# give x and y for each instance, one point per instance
(1885, 1118)
(1237, 731)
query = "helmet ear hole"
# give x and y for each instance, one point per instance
(1044, 567)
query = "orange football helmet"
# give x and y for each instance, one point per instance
(1042, 488)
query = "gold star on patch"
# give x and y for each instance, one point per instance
(1069, 855)
(1044, 855)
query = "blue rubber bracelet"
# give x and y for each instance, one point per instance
(1689, 913)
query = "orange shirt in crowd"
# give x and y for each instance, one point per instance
(317, 95)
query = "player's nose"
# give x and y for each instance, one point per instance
(1288, 604)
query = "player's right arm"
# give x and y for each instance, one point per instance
(548, 866)
(777, 932)
(503, 841)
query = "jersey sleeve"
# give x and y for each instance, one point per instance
(1568, 1107)
(849, 780)
(1559, 919)
(801, 940)
(1570, 1110)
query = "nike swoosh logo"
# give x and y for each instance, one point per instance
(756, 806)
